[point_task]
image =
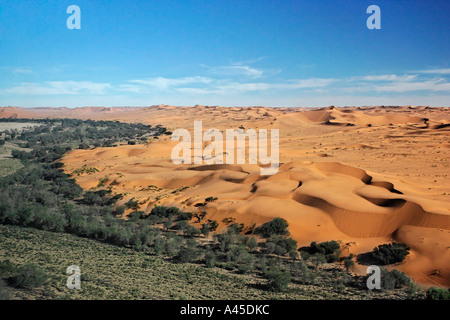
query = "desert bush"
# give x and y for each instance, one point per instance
(226, 239)
(167, 224)
(6, 269)
(165, 212)
(210, 259)
(241, 258)
(132, 204)
(393, 279)
(281, 245)
(182, 215)
(438, 294)
(118, 211)
(28, 277)
(171, 246)
(83, 146)
(205, 230)
(251, 243)
(390, 253)
(236, 227)
(212, 225)
(318, 259)
(136, 215)
(191, 231)
(186, 255)
(329, 249)
(277, 226)
(181, 225)
(348, 263)
(277, 280)
(5, 291)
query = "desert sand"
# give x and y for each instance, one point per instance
(361, 175)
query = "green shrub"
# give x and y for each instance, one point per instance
(6, 268)
(348, 263)
(210, 259)
(330, 250)
(181, 225)
(186, 255)
(165, 212)
(132, 204)
(390, 253)
(167, 224)
(278, 280)
(394, 279)
(236, 227)
(136, 215)
(318, 259)
(5, 291)
(184, 215)
(277, 226)
(191, 231)
(28, 277)
(205, 230)
(212, 225)
(251, 243)
(281, 245)
(438, 294)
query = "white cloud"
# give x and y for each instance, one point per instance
(387, 77)
(435, 71)
(236, 70)
(23, 71)
(162, 83)
(59, 88)
(429, 85)
(228, 87)
(397, 84)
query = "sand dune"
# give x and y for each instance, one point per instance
(320, 200)
(360, 175)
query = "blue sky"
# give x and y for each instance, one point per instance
(224, 52)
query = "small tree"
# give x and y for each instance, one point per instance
(293, 254)
(252, 243)
(205, 230)
(186, 255)
(182, 215)
(329, 249)
(167, 224)
(318, 259)
(278, 280)
(28, 277)
(191, 231)
(348, 263)
(181, 225)
(210, 259)
(277, 226)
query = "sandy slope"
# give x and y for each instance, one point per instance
(364, 176)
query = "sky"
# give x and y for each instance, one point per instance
(283, 53)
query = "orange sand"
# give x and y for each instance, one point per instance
(363, 176)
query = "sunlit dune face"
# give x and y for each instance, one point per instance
(363, 176)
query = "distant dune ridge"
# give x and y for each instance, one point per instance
(361, 175)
